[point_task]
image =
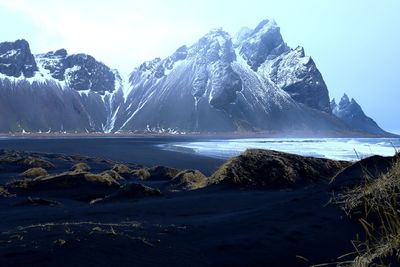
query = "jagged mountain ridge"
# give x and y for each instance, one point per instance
(350, 112)
(218, 86)
(254, 83)
(55, 92)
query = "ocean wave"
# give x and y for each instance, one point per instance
(333, 148)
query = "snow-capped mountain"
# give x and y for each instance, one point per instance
(256, 84)
(252, 82)
(55, 92)
(351, 113)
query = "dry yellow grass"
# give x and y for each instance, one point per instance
(188, 180)
(81, 167)
(142, 174)
(376, 204)
(121, 169)
(34, 173)
(4, 192)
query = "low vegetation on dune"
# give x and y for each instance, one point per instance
(162, 172)
(81, 167)
(122, 169)
(34, 173)
(101, 179)
(37, 163)
(24, 161)
(64, 180)
(261, 168)
(111, 174)
(375, 203)
(142, 174)
(4, 192)
(188, 180)
(83, 186)
(130, 192)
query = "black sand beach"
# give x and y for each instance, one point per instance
(138, 150)
(72, 215)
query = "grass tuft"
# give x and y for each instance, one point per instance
(34, 173)
(375, 204)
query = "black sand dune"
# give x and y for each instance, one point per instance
(103, 213)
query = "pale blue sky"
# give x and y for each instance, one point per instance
(356, 44)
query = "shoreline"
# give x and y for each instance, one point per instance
(271, 134)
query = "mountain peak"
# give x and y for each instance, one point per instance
(16, 59)
(81, 72)
(351, 113)
(345, 99)
(240, 36)
(265, 26)
(265, 42)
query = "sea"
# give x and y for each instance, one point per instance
(198, 152)
(350, 149)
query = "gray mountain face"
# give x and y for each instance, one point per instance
(61, 92)
(252, 83)
(351, 113)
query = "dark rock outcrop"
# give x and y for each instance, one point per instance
(56, 92)
(16, 59)
(264, 43)
(298, 75)
(80, 72)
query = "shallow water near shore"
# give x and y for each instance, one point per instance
(333, 148)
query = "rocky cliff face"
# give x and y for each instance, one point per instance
(351, 113)
(16, 59)
(290, 69)
(80, 72)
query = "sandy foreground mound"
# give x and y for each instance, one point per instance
(267, 168)
(254, 168)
